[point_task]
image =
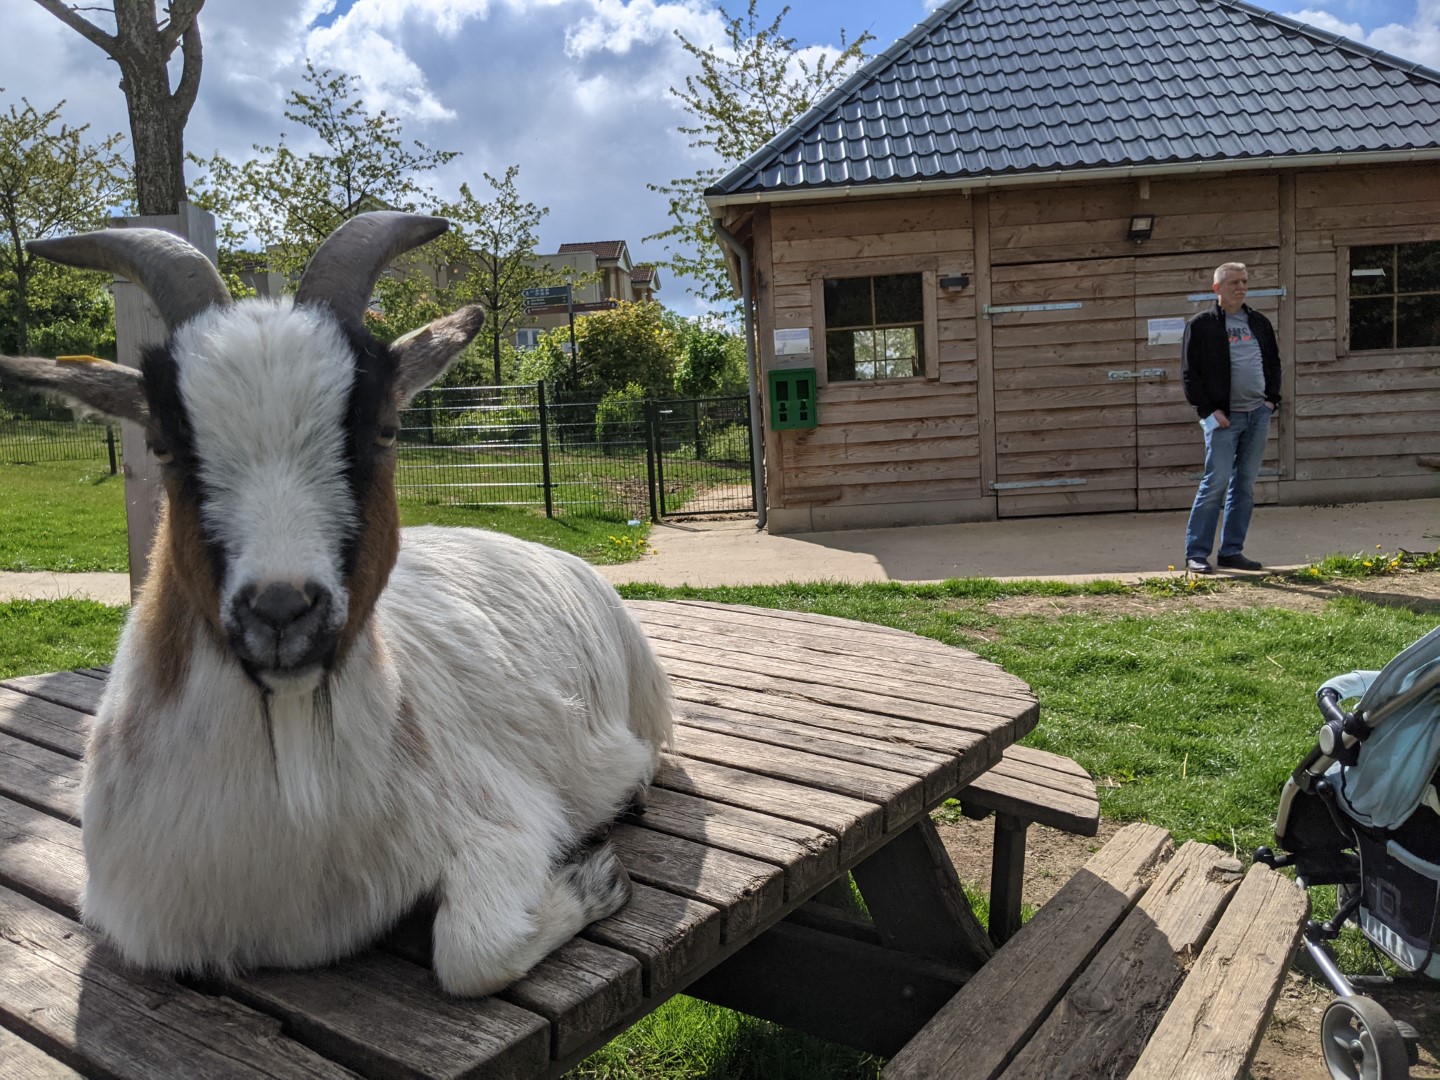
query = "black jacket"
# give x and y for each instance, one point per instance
(1205, 359)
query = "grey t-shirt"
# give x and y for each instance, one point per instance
(1247, 373)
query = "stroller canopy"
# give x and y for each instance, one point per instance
(1397, 763)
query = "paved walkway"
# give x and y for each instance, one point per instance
(1125, 547)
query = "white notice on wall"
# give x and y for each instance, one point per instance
(1166, 331)
(793, 341)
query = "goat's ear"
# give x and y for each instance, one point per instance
(424, 354)
(102, 387)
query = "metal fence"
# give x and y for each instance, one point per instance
(27, 442)
(515, 446)
(512, 446)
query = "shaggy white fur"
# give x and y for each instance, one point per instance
(292, 750)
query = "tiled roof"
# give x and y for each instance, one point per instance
(602, 249)
(1004, 88)
(642, 274)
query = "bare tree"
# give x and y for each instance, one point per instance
(142, 45)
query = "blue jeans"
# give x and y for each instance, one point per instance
(1232, 462)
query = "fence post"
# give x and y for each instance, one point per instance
(110, 446)
(652, 424)
(137, 325)
(544, 448)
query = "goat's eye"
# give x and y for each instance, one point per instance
(162, 455)
(385, 436)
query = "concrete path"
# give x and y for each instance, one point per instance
(1078, 548)
(1125, 547)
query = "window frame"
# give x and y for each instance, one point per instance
(1344, 241)
(927, 269)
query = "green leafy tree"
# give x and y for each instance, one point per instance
(290, 202)
(493, 243)
(143, 45)
(748, 90)
(631, 344)
(53, 181)
(712, 363)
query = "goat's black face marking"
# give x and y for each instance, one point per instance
(370, 421)
(172, 440)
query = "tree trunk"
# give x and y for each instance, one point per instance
(157, 121)
(142, 47)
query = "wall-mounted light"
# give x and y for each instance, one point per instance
(957, 282)
(1141, 226)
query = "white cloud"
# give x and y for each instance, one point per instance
(1417, 40)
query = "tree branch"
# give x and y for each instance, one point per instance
(84, 27)
(189, 86)
(182, 16)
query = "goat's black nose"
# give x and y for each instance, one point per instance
(281, 625)
(279, 604)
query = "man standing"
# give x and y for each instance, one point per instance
(1230, 367)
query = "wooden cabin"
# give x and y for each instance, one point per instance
(986, 242)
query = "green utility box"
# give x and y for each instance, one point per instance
(792, 398)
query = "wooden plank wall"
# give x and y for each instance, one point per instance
(1058, 414)
(889, 441)
(1364, 421)
(1061, 244)
(1354, 426)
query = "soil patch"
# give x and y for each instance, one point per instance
(1417, 591)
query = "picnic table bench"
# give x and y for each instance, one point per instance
(1149, 963)
(807, 748)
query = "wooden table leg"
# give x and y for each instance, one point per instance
(1007, 876)
(917, 902)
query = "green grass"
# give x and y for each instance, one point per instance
(69, 516)
(598, 540)
(56, 635)
(62, 515)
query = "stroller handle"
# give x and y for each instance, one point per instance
(1328, 700)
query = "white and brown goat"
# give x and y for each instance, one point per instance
(316, 718)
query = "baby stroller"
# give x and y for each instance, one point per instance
(1361, 813)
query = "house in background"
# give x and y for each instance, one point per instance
(986, 241)
(612, 278)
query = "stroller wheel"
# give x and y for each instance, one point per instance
(1360, 1041)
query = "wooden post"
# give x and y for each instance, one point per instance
(137, 326)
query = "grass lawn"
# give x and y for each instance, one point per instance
(62, 515)
(69, 516)
(1190, 716)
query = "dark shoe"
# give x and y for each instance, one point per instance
(1238, 562)
(1198, 566)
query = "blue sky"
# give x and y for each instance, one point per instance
(575, 92)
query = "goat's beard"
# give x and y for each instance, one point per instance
(301, 737)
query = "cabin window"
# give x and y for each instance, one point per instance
(1395, 296)
(874, 328)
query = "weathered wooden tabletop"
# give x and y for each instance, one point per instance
(806, 745)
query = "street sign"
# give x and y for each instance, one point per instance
(553, 294)
(578, 309)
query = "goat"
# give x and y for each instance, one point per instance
(316, 719)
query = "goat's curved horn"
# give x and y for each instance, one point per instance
(343, 272)
(180, 280)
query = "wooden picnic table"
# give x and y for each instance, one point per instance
(806, 747)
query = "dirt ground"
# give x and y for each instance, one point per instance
(1291, 1047)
